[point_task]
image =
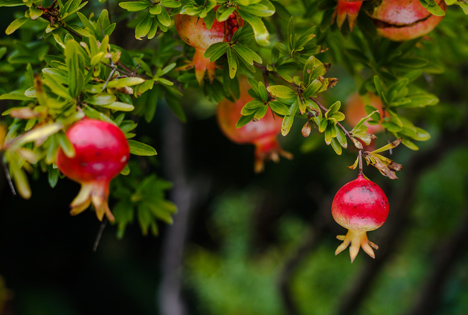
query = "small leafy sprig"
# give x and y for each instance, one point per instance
(153, 16)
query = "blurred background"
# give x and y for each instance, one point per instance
(246, 243)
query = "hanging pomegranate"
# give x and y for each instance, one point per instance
(359, 206)
(101, 153)
(192, 30)
(401, 20)
(260, 133)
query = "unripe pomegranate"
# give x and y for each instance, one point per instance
(359, 206)
(193, 31)
(101, 153)
(355, 110)
(401, 20)
(347, 8)
(261, 133)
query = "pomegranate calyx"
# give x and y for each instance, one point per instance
(202, 65)
(268, 148)
(95, 193)
(347, 8)
(357, 239)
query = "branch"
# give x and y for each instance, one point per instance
(297, 87)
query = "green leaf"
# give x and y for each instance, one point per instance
(66, 145)
(53, 176)
(20, 179)
(15, 95)
(215, 51)
(134, 6)
(410, 145)
(279, 108)
(363, 120)
(144, 27)
(222, 14)
(281, 91)
(38, 133)
(261, 33)
(16, 24)
(244, 120)
(141, 149)
(260, 113)
(432, 7)
(341, 137)
(422, 100)
(380, 90)
(34, 13)
(247, 54)
(124, 107)
(232, 61)
(164, 18)
(170, 3)
(253, 104)
(75, 64)
(312, 88)
(336, 146)
(102, 99)
(157, 9)
(287, 124)
(262, 92)
(118, 83)
(333, 109)
(323, 125)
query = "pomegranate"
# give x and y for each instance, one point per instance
(354, 110)
(261, 133)
(347, 8)
(101, 153)
(359, 206)
(193, 31)
(401, 20)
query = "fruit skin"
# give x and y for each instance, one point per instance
(261, 133)
(192, 30)
(359, 206)
(347, 8)
(101, 153)
(401, 20)
(355, 110)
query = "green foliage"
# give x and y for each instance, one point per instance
(143, 197)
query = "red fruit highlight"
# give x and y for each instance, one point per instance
(261, 133)
(193, 31)
(359, 206)
(101, 153)
(347, 8)
(401, 20)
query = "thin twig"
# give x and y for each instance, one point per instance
(8, 177)
(99, 235)
(110, 75)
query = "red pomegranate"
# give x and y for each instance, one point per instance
(359, 206)
(193, 31)
(261, 133)
(347, 8)
(401, 20)
(354, 110)
(101, 153)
